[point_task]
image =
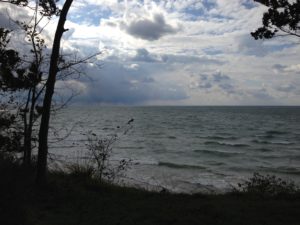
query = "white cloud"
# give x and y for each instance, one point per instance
(157, 52)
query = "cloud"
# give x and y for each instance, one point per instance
(286, 88)
(74, 86)
(143, 55)
(10, 13)
(174, 51)
(248, 46)
(219, 77)
(214, 81)
(132, 66)
(190, 59)
(115, 84)
(149, 29)
(291, 69)
(260, 94)
(228, 88)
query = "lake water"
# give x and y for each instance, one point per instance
(188, 149)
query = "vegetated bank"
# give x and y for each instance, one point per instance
(77, 198)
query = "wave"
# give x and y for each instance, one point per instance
(180, 166)
(275, 132)
(263, 149)
(218, 153)
(61, 146)
(261, 141)
(265, 136)
(225, 144)
(131, 147)
(221, 137)
(272, 142)
(282, 169)
(281, 156)
(156, 133)
(172, 137)
(282, 143)
(215, 163)
(148, 162)
(108, 128)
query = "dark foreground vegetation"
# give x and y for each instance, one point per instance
(76, 198)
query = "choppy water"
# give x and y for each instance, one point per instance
(190, 149)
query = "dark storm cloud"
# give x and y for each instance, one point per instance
(118, 85)
(149, 29)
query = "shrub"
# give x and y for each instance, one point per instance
(81, 170)
(10, 133)
(100, 150)
(267, 186)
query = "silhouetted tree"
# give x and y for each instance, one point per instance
(59, 68)
(17, 77)
(44, 127)
(22, 74)
(281, 19)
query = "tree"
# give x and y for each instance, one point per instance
(24, 74)
(59, 68)
(44, 127)
(281, 19)
(18, 76)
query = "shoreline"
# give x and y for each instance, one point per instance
(76, 198)
(135, 177)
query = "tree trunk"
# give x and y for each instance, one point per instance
(44, 127)
(27, 147)
(28, 130)
(27, 141)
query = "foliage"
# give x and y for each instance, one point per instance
(24, 71)
(267, 186)
(10, 128)
(10, 138)
(81, 170)
(66, 199)
(100, 150)
(23, 74)
(48, 7)
(11, 76)
(281, 19)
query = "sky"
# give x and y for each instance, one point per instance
(176, 52)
